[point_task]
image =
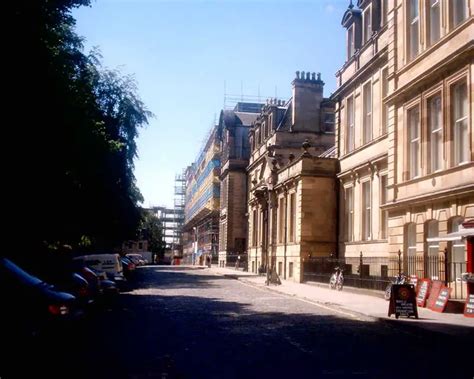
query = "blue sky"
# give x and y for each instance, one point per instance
(184, 53)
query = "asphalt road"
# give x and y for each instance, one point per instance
(189, 323)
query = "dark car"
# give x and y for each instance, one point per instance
(30, 304)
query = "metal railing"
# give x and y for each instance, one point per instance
(376, 272)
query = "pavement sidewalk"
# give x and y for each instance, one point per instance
(351, 304)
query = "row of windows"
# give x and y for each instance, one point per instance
(286, 221)
(425, 18)
(438, 125)
(366, 211)
(373, 16)
(367, 113)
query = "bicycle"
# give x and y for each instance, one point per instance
(399, 279)
(337, 279)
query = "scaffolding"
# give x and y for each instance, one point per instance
(178, 214)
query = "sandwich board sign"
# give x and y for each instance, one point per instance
(403, 301)
(423, 291)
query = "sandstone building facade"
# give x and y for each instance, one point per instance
(404, 108)
(291, 190)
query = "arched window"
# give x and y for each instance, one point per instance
(410, 249)
(431, 250)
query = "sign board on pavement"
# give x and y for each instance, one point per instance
(469, 307)
(403, 301)
(434, 292)
(442, 300)
(423, 291)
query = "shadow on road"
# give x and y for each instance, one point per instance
(161, 336)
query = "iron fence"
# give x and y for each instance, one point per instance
(361, 272)
(376, 272)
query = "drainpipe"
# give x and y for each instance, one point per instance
(338, 190)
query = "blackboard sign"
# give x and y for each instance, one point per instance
(403, 301)
(414, 281)
(423, 291)
(434, 292)
(442, 299)
(469, 307)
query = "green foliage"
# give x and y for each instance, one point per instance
(74, 129)
(152, 230)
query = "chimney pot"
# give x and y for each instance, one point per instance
(297, 74)
(319, 76)
(313, 76)
(307, 75)
(302, 75)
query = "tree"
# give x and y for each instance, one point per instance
(152, 231)
(74, 127)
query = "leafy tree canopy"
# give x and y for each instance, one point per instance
(74, 128)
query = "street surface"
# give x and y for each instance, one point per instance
(177, 322)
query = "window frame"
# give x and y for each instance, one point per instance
(411, 41)
(367, 108)
(349, 213)
(366, 203)
(384, 90)
(429, 21)
(438, 93)
(350, 126)
(410, 141)
(453, 24)
(367, 29)
(462, 80)
(292, 217)
(383, 199)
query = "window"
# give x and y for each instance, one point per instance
(384, 106)
(349, 214)
(458, 11)
(413, 29)
(384, 12)
(350, 124)
(350, 42)
(410, 249)
(367, 104)
(435, 133)
(291, 229)
(280, 268)
(290, 270)
(414, 142)
(140, 245)
(383, 200)
(432, 250)
(434, 17)
(254, 227)
(367, 31)
(460, 124)
(366, 211)
(281, 215)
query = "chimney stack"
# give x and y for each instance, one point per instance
(306, 103)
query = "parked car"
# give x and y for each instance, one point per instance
(128, 266)
(137, 259)
(31, 304)
(108, 263)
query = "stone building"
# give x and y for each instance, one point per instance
(291, 190)
(405, 134)
(235, 152)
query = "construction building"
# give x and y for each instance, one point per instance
(235, 124)
(201, 211)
